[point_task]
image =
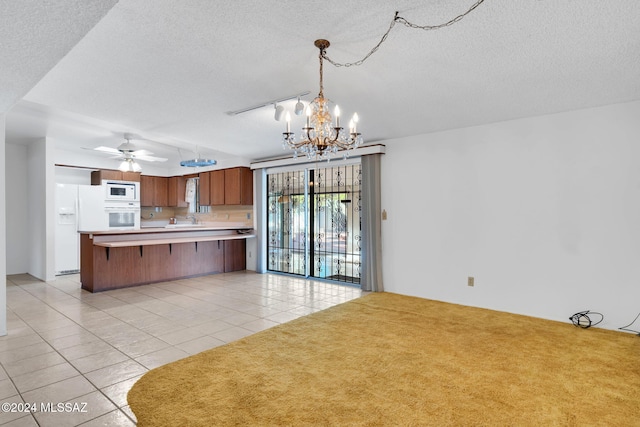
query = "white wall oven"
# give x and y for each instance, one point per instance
(122, 215)
(121, 191)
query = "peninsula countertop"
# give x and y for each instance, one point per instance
(167, 235)
(120, 258)
(169, 229)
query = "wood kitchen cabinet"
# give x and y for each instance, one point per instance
(212, 189)
(110, 260)
(217, 190)
(131, 176)
(147, 185)
(205, 193)
(219, 187)
(161, 191)
(154, 191)
(179, 260)
(235, 258)
(113, 175)
(176, 191)
(238, 186)
(113, 261)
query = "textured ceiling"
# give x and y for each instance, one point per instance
(169, 70)
(35, 35)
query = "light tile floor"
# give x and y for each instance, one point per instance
(66, 345)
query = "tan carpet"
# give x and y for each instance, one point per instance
(387, 360)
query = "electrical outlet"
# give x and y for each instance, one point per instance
(470, 281)
(384, 214)
(248, 215)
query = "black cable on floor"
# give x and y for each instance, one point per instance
(624, 328)
(582, 319)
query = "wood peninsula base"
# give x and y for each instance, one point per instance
(110, 260)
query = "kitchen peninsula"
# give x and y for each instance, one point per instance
(119, 259)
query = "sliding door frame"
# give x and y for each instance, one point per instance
(310, 170)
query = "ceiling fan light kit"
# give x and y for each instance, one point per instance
(129, 165)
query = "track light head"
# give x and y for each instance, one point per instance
(299, 107)
(279, 111)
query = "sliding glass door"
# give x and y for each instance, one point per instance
(314, 222)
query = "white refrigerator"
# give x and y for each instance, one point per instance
(78, 208)
(91, 209)
(67, 240)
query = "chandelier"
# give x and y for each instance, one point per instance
(321, 137)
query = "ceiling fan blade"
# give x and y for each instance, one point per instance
(107, 150)
(141, 153)
(150, 158)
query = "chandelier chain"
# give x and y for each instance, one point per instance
(406, 23)
(321, 55)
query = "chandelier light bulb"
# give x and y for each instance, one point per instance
(287, 117)
(336, 112)
(308, 112)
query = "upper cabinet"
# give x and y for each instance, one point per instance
(238, 186)
(161, 191)
(205, 193)
(220, 187)
(176, 192)
(226, 187)
(154, 191)
(217, 187)
(113, 175)
(147, 187)
(131, 176)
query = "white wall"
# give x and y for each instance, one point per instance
(19, 234)
(77, 176)
(41, 212)
(3, 235)
(17, 224)
(544, 212)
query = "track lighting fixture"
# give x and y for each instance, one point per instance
(299, 107)
(279, 111)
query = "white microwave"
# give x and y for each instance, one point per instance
(121, 191)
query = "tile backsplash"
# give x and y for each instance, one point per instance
(219, 215)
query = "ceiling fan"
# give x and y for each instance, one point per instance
(129, 154)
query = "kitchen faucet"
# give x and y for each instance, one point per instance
(193, 218)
